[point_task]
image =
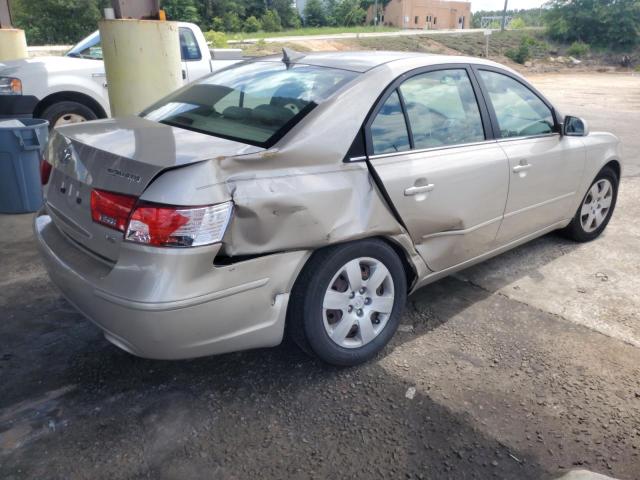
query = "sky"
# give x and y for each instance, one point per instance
(499, 4)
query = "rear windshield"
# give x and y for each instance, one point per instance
(254, 103)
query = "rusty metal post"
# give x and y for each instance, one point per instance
(13, 44)
(141, 56)
(5, 14)
(138, 9)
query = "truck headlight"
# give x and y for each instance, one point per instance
(10, 86)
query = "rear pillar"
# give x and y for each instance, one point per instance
(142, 62)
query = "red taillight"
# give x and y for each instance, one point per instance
(111, 209)
(45, 171)
(157, 224)
(164, 226)
(160, 225)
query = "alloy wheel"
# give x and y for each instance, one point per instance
(596, 205)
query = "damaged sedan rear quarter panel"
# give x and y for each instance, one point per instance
(301, 193)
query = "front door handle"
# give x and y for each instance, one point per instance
(418, 190)
(184, 74)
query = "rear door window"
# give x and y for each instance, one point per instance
(389, 129)
(442, 109)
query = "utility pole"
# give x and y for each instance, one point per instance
(504, 16)
(13, 43)
(141, 55)
(375, 14)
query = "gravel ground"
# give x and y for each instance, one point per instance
(523, 367)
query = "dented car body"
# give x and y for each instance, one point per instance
(186, 231)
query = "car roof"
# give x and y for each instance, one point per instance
(363, 61)
(357, 61)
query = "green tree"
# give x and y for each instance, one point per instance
(287, 13)
(348, 12)
(533, 17)
(271, 21)
(232, 22)
(181, 10)
(314, 14)
(517, 24)
(217, 24)
(613, 23)
(56, 21)
(252, 24)
(216, 39)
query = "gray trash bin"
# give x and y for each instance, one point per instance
(21, 149)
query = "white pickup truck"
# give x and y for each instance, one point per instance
(73, 88)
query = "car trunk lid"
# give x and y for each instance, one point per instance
(122, 156)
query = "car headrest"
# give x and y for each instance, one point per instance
(236, 113)
(272, 114)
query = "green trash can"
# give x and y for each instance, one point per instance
(22, 143)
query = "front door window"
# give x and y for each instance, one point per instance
(519, 111)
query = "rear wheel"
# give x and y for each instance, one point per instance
(595, 211)
(67, 112)
(347, 302)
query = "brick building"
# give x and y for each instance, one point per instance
(424, 14)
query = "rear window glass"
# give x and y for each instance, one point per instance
(254, 103)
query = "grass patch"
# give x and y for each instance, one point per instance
(261, 48)
(471, 44)
(499, 43)
(414, 43)
(578, 49)
(311, 31)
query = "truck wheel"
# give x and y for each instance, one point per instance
(347, 302)
(66, 113)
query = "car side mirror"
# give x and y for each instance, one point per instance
(575, 127)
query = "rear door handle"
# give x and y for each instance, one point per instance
(417, 190)
(521, 167)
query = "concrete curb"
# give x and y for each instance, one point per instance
(584, 475)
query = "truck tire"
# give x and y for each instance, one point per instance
(67, 112)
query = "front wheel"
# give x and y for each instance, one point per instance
(346, 304)
(595, 211)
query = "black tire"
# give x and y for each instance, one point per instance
(58, 110)
(305, 320)
(575, 231)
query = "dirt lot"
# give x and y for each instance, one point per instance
(523, 367)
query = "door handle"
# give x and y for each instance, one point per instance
(418, 190)
(521, 168)
(184, 74)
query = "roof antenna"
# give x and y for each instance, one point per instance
(289, 56)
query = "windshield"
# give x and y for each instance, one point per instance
(88, 47)
(254, 103)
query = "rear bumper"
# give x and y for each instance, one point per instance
(141, 302)
(17, 106)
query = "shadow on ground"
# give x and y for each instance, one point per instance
(74, 406)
